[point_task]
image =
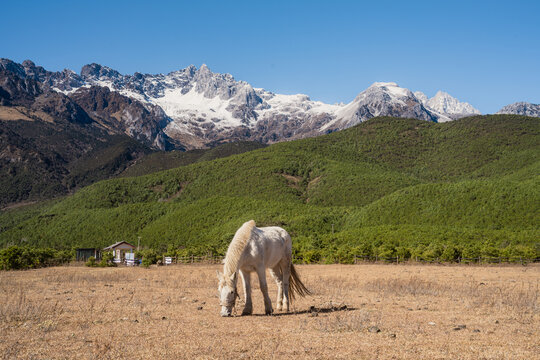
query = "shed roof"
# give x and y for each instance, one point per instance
(118, 244)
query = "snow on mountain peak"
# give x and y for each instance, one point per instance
(421, 96)
(521, 108)
(380, 99)
(390, 88)
(384, 84)
(446, 105)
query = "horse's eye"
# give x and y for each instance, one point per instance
(231, 292)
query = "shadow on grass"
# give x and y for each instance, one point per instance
(312, 310)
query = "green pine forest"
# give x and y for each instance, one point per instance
(387, 187)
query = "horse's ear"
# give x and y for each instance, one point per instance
(219, 275)
(233, 276)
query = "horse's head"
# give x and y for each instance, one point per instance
(227, 293)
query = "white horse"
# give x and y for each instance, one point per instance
(256, 249)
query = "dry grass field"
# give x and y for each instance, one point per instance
(356, 312)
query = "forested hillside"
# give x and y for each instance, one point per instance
(386, 187)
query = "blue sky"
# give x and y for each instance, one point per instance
(483, 52)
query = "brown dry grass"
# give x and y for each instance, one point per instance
(77, 312)
(12, 113)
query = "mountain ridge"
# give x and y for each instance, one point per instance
(521, 108)
(186, 109)
(448, 106)
(206, 107)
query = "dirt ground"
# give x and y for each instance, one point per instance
(366, 311)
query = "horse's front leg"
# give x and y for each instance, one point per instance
(264, 289)
(246, 279)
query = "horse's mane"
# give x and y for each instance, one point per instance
(236, 248)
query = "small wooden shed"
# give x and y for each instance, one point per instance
(119, 250)
(83, 254)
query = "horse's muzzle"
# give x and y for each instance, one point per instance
(225, 312)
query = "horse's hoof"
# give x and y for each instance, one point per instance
(269, 312)
(247, 312)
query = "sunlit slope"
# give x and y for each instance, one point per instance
(395, 181)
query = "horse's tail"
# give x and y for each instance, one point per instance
(296, 286)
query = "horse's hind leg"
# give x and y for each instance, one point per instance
(246, 279)
(286, 271)
(261, 272)
(278, 277)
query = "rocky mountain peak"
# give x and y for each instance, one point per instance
(119, 113)
(28, 64)
(446, 105)
(13, 67)
(381, 99)
(382, 84)
(204, 70)
(521, 108)
(98, 72)
(16, 89)
(385, 92)
(189, 71)
(421, 96)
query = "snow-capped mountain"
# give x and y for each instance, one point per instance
(207, 107)
(204, 108)
(447, 106)
(521, 108)
(380, 99)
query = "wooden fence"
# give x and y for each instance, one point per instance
(209, 259)
(214, 259)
